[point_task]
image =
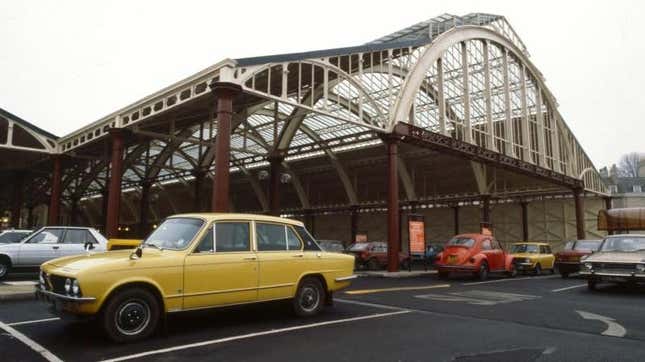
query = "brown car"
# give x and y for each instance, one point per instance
(568, 260)
(373, 256)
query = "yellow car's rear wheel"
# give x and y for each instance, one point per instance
(310, 297)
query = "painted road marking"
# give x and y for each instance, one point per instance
(479, 297)
(567, 288)
(613, 329)
(511, 279)
(26, 282)
(367, 304)
(252, 335)
(31, 343)
(369, 291)
(34, 321)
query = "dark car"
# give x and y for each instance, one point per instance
(373, 256)
(568, 260)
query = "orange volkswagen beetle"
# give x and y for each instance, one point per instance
(476, 254)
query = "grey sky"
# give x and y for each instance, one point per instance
(64, 64)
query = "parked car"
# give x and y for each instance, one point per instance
(533, 257)
(373, 256)
(334, 246)
(430, 255)
(432, 252)
(568, 260)
(476, 254)
(196, 261)
(13, 235)
(620, 259)
(49, 243)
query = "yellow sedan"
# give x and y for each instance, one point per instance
(533, 257)
(196, 261)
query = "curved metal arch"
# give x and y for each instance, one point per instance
(327, 66)
(340, 169)
(167, 152)
(437, 48)
(44, 141)
(96, 170)
(209, 155)
(299, 113)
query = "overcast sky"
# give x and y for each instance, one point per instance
(64, 64)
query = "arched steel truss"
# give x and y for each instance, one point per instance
(469, 78)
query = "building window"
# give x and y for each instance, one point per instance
(637, 188)
(613, 189)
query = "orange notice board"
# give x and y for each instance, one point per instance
(416, 229)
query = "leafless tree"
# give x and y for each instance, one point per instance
(628, 164)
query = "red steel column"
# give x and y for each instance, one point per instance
(114, 188)
(608, 207)
(455, 210)
(580, 214)
(393, 211)
(525, 220)
(274, 184)
(54, 201)
(486, 209)
(224, 92)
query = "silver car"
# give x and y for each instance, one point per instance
(620, 259)
(13, 235)
(49, 243)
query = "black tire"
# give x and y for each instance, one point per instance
(538, 270)
(5, 267)
(482, 274)
(591, 285)
(373, 264)
(564, 275)
(310, 298)
(443, 275)
(513, 272)
(131, 315)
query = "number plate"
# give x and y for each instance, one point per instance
(452, 259)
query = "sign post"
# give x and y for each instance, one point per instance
(416, 238)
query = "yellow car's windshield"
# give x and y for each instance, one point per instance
(524, 248)
(175, 233)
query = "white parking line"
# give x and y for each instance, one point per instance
(510, 280)
(34, 321)
(567, 288)
(31, 343)
(366, 304)
(252, 335)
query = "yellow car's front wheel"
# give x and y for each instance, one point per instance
(130, 315)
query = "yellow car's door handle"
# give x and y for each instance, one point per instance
(298, 255)
(250, 258)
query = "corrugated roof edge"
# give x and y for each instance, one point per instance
(289, 57)
(26, 124)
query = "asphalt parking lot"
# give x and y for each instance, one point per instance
(378, 319)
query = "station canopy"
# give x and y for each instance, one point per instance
(471, 111)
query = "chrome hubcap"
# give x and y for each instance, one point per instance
(132, 317)
(309, 299)
(3, 270)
